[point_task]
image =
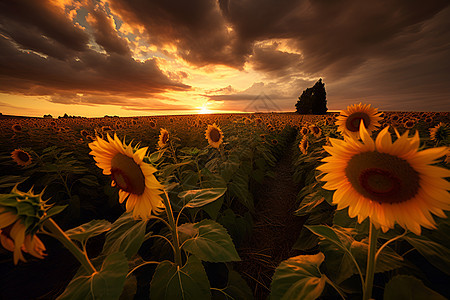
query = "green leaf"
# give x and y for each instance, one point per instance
(436, 254)
(88, 230)
(408, 287)
(298, 278)
(236, 289)
(199, 198)
(212, 243)
(55, 210)
(171, 282)
(89, 180)
(126, 235)
(105, 284)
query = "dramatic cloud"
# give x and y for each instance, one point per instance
(138, 54)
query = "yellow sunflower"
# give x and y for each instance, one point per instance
(131, 174)
(21, 157)
(214, 135)
(163, 138)
(304, 144)
(348, 120)
(439, 133)
(315, 130)
(13, 237)
(387, 182)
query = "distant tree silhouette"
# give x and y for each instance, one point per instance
(313, 100)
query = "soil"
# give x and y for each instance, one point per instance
(275, 230)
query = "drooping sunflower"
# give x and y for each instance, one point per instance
(16, 128)
(304, 145)
(348, 120)
(163, 138)
(14, 238)
(387, 182)
(21, 157)
(214, 135)
(131, 174)
(304, 130)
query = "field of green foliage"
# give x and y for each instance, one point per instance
(160, 207)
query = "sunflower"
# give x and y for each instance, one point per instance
(14, 238)
(214, 135)
(16, 128)
(135, 179)
(439, 133)
(348, 121)
(315, 130)
(21, 157)
(303, 145)
(163, 138)
(387, 182)
(304, 130)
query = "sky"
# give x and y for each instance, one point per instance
(147, 57)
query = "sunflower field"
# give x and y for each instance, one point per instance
(349, 205)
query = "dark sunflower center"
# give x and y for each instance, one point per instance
(165, 138)
(23, 156)
(354, 120)
(214, 135)
(127, 174)
(17, 127)
(382, 177)
(315, 130)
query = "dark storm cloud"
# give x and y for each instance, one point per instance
(196, 27)
(49, 19)
(31, 74)
(105, 33)
(275, 63)
(44, 53)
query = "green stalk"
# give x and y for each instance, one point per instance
(370, 271)
(59, 234)
(173, 228)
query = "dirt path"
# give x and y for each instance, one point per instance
(275, 229)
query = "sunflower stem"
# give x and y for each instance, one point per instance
(173, 228)
(370, 270)
(61, 236)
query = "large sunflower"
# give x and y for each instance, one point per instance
(387, 182)
(131, 174)
(214, 135)
(14, 238)
(348, 120)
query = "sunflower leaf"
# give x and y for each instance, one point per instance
(105, 284)
(212, 243)
(88, 230)
(409, 287)
(236, 288)
(436, 254)
(298, 278)
(188, 282)
(126, 235)
(199, 198)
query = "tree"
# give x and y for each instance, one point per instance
(313, 100)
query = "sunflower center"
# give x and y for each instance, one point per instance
(214, 134)
(354, 120)
(382, 177)
(23, 156)
(315, 130)
(127, 174)
(165, 137)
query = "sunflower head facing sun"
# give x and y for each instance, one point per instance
(387, 182)
(21, 157)
(214, 135)
(163, 138)
(349, 120)
(131, 174)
